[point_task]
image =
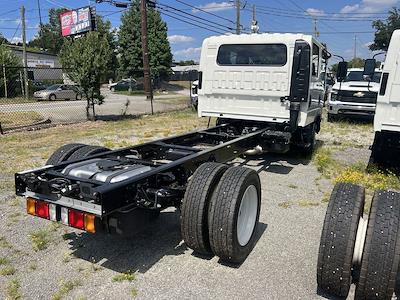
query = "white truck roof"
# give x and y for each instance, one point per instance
(260, 38)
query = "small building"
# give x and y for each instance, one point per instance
(42, 66)
(185, 73)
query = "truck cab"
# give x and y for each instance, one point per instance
(271, 78)
(354, 96)
(386, 146)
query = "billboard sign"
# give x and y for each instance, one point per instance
(76, 21)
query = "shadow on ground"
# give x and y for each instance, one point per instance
(140, 251)
(279, 163)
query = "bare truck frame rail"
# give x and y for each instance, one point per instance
(170, 162)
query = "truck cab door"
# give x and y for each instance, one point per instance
(317, 87)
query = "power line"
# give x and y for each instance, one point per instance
(16, 30)
(183, 14)
(326, 13)
(9, 12)
(205, 11)
(187, 22)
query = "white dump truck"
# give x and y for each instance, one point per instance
(361, 249)
(272, 79)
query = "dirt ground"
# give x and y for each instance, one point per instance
(44, 260)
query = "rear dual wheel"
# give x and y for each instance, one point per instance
(350, 251)
(220, 211)
(381, 254)
(72, 152)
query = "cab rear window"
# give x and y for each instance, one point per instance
(252, 54)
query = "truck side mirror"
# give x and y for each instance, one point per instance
(341, 71)
(369, 68)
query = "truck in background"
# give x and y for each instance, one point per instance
(354, 96)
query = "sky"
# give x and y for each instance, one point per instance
(344, 25)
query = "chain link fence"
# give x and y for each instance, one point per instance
(35, 96)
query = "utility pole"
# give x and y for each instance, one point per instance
(254, 24)
(24, 56)
(146, 65)
(316, 32)
(237, 16)
(41, 25)
(355, 46)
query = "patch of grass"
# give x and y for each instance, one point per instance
(373, 180)
(307, 203)
(12, 290)
(4, 243)
(285, 204)
(323, 160)
(32, 266)
(129, 276)
(7, 271)
(326, 197)
(65, 288)
(292, 186)
(12, 119)
(174, 100)
(134, 292)
(67, 258)
(4, 261)
(40, 239)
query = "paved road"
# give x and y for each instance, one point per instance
(114, 105)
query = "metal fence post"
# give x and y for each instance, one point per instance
(5, 81)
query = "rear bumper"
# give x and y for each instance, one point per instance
(346, 108)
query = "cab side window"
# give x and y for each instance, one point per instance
(315, 60)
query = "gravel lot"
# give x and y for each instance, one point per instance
(156, 264)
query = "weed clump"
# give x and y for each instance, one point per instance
(373, 180)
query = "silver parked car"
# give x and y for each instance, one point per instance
(59, 91)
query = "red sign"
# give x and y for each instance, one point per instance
(76, 21)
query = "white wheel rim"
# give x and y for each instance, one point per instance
(247, 215)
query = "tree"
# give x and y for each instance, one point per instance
(104, 29)
(356, 62)
(3, 40)
(129, 44)
(186, 63)
(8, 59)
(159, 48)
(49, 34)
(86, 60)
(384, 30)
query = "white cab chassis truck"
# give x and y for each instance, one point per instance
(356, 248)
(265, 91)
(354, 96)
(386, 146)
(272, 79)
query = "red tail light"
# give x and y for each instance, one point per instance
(76, 219)
(42, 209)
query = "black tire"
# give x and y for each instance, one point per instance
(52, 97)
(309, 138)
(381, 253)
(195, 206)
(63, 153)
(87, 151)
(338, 239)
(224, 213)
